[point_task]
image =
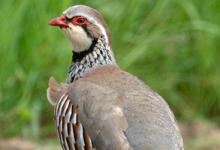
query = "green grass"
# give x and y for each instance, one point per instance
(173, 45)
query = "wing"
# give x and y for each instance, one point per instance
(101, 114)
(88, 116)
(71, 133)
(55, 91)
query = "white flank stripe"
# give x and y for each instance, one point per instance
(65, 107)
(80, 131)
(68, 114)
(61, 105)
(72, 135)
(74, 118)
(65, 131)
(58, 104)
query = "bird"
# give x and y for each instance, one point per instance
(100, 106)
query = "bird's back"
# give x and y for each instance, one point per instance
(151, 124)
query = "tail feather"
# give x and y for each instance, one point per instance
(54, 91)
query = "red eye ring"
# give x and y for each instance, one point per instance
(79, 20)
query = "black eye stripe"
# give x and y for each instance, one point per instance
(87, 31)
(68, 19)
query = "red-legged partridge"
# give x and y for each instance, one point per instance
(101, 106)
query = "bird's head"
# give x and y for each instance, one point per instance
(82, 25)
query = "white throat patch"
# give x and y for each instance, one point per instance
(77, 37)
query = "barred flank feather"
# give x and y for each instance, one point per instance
(71, 132)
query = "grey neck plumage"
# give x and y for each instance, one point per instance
(99, 54)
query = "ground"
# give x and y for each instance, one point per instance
(199, 135)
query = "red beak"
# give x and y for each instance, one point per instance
(60, 21)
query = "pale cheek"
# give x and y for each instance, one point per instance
(78, 38)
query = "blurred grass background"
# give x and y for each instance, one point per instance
(173, 45)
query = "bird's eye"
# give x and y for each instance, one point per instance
(79, 20)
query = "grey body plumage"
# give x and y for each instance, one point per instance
(102, 106)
